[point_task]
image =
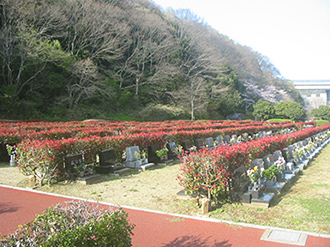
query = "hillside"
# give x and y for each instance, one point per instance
(70, 59)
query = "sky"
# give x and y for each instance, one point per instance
(293, 34)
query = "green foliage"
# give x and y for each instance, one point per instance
(161, 112)
(134, 55)
(263, 110)
(279, 120)
(322, 113)
(291, 110)
(75, 224)
(271, 172)
(321, 122)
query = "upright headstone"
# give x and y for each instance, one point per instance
(107, 162)
(133, 157)
(267, 161)
(172, 150)
(219, 140)
(152, 155)
(233, 139)
(240, 184)
(200, 144)
(209, 143)
(227, 139)
(186, 145)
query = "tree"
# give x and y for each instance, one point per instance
(263, 110)
(291, 110)
(323, 112)
(197, 63)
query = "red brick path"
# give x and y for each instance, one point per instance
(19, 206)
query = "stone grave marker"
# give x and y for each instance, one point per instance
(227, 139)
(77, 169)
(107, 163)
(186, 145)
(154, 158)
(172, 150)
(134, 159)
(200, 144)
(239, 187)
(219, 140)
(233, 139)
(267, 161)
(209, 143)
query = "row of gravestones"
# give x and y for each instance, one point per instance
(263, 191)
(108, 163)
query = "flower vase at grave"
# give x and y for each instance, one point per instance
(12, 161)
(255, 193)
(270, 182)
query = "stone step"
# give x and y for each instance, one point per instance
(147, 166)
(166, 163)
(121, 171)
(91, 179)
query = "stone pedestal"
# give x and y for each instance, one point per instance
(91, 179)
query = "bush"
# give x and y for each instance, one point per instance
(322, 113)
(162, 112)
(75, 224)
(321, 122)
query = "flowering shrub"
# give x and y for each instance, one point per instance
(74, 224)
(45, 158)
(209, 172)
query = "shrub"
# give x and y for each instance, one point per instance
(321, 122)
(76, 223)
(162, 112)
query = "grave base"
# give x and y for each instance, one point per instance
(91, 179)
(276, 187)
(165, 163)
(121, 171)
(147, 166)
(286, 177)
(263, 201)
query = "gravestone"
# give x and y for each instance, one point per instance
(154, 158)
(219, 140)
(72, 160)
(239, 187)
(200, 144)
(83, 173)
(277, 154)
(267, 161)
(186, 145)
(285, 154)
(227, 139)
(107, 162)
(134, 159)
(152, 155)
(172, 150)
(233, 139)
(209, 142)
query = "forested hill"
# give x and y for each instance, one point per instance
(92, 58)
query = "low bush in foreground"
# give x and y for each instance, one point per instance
(76, 223)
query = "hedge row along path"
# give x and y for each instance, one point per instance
(19, 206)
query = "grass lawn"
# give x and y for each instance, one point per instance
(303, 205)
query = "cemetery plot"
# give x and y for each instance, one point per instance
(107, 163)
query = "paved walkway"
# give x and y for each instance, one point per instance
(19, 206)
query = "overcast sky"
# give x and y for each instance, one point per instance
(294, 34)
